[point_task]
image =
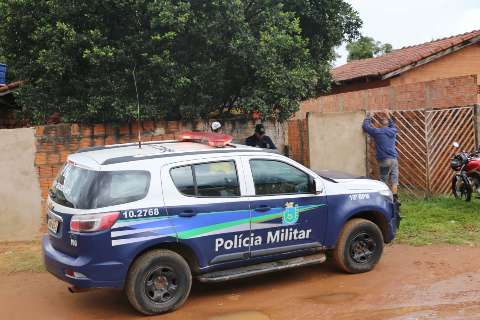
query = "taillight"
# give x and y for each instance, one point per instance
(93, 222)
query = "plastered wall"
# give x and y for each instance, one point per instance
(20, 201)
(337, 142)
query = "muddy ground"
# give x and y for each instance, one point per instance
(427, 282)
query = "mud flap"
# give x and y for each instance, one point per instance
(396, 212)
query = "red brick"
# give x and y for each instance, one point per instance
(39, 131)
(53, 158)
(134, 128)
(172, 126)
(45, 171)
(75, 129)
(99, 129)
(40, 158)
(56, 169)
(148, 125)
(99, 141)
(85, 142)
(86, 131)
(110, 140)
(124, 130)
(63, 157)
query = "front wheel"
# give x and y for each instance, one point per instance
(461, 188)
(159, 281)
(359, 246)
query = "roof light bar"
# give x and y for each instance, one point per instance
(217, 140)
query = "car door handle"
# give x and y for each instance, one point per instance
(187, 213)
(263, 208)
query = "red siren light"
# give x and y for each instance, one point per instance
(212, 139)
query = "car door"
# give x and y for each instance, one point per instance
(288, 211)
(205, 203)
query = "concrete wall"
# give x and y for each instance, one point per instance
(20, 201)
(337, 142)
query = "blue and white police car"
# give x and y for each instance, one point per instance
(150, 219)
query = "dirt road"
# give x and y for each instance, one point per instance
(409, 283)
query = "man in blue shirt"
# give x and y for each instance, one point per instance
(385, 139)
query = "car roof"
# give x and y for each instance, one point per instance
(127, 152)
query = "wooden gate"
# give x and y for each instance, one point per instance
(424, 145)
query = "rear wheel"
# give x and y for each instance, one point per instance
(359, 246)
(159, 281)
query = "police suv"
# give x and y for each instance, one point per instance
(151, 218)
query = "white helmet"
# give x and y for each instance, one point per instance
(216, 125)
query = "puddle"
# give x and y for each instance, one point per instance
(333, 297)
(242, 315)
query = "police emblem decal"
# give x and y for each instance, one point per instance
(290, 214)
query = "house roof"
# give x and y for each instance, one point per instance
(401, 60)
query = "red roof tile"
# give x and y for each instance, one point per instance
(379, 66)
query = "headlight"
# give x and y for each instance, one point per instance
(387, 193)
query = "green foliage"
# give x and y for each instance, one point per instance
(439, 220)
(366, 47)
(191, 58)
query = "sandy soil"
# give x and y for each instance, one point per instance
(409, 283)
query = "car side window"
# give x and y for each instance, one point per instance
(183, 179)
(272, 177)
(212, 179)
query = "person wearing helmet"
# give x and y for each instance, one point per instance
(260, 139)
(216, 127)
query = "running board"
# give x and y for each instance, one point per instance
(253, 270)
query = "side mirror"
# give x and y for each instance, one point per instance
(455, 144)
(318, 185)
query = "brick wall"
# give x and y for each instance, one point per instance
(298, 141)
(443, 93)
(55, 142)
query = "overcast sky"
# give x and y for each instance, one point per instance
(408, 22)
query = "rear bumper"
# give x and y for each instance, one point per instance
(91, 274)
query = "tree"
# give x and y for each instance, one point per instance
(191, 58)
(366, 47)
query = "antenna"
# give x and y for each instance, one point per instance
(138, 109)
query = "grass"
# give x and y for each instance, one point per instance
(20, 256)
(440, 220)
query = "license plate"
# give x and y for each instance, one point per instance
(52, 224)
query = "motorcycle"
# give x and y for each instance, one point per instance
(466, 180)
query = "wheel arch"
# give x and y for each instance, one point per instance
(374, 216)
(178, 247)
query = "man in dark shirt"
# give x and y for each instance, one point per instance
(385, 139)
(260, 139)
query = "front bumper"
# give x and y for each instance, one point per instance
(106, 274)
(394, 223)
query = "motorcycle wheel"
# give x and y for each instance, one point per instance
(461, 189)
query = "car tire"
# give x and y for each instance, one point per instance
(359, 246)
(159, 281)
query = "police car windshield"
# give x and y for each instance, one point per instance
(80, 188)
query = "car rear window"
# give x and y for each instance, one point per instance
(81, 188)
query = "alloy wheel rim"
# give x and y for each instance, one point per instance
(161, 284)
(362, 248)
